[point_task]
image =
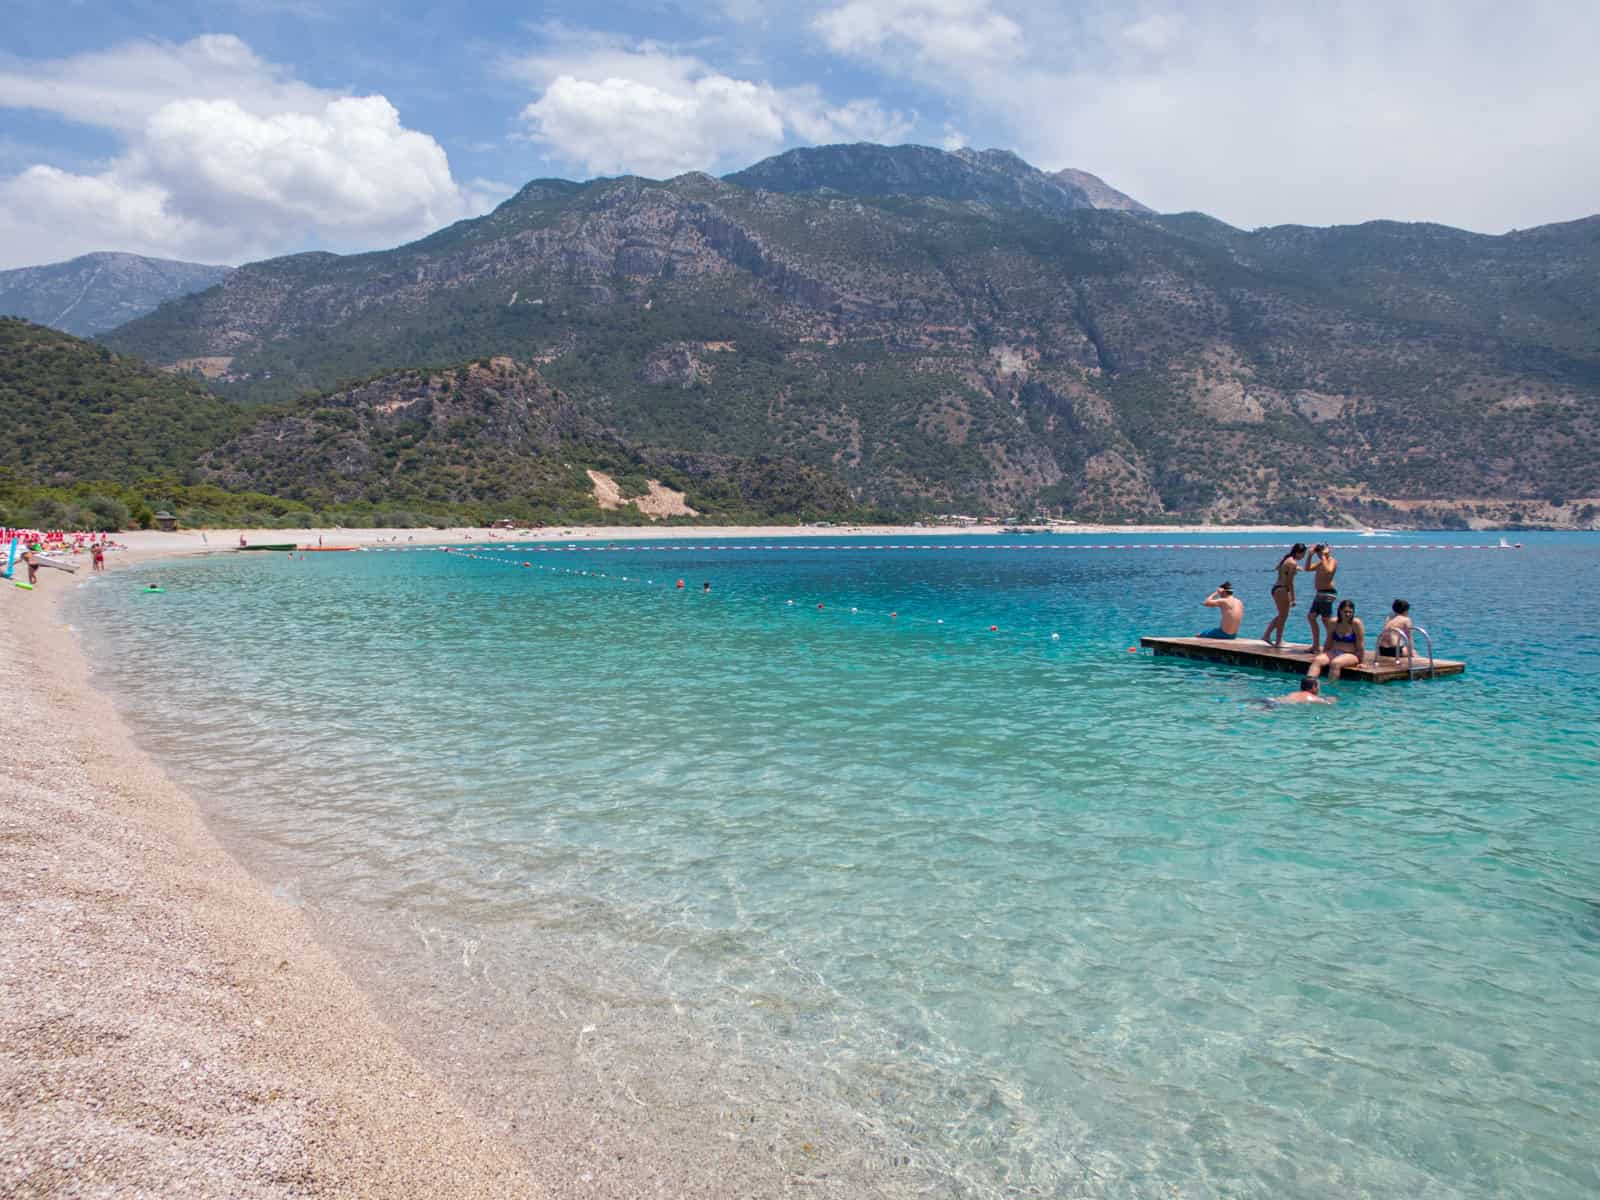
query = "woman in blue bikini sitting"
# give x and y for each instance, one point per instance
(1346, 645)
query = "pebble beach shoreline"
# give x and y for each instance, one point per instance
(168, 1028)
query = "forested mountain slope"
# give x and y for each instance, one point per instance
(938, 351)
(92, 433)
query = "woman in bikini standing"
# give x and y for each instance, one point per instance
(1283, 592)
(1346, 645)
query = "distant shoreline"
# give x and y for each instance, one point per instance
(183, 542)
(153, 543)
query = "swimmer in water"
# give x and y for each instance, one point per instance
(1309, 692)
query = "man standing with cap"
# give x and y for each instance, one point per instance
(1232, 612)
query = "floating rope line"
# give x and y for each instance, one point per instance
(500, 555)
(637, 547)
(677, 585)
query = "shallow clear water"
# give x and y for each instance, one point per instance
(1056, 916)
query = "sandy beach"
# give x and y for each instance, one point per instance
(168, 1027)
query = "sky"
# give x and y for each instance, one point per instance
(240, 129)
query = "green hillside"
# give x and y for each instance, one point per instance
(102, 440)
(955, 349)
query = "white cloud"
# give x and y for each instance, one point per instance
(616, 124)
(955, 35)
(1156, 33)
(123, 87)
(1469, 112)
(610, 107)
(862, 120)
(226, 158)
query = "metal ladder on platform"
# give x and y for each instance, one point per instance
(1411, 651)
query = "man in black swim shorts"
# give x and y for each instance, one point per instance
(1326, 566)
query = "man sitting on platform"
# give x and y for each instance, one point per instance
(1232, 613)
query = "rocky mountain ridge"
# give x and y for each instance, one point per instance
(995, 178)
(100, 291)
(950, 351)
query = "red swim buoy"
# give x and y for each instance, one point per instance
(527, 564)
(994, 629)
(1133, 649)
(894, 614)
(819, 606)
(680, 583)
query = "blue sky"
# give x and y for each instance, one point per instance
(243, 128)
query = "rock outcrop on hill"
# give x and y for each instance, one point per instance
(962, 331)
(99, 291)
(1100, 193)
(490, 432)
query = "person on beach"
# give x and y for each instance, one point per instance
(1232, 612)
(33, 567)
(1346, 645)
(1309, 692)
(1326, 566)
(1394, 640)
(1283, 593)
(98, 556)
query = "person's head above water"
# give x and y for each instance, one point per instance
(1314, 686)
(1400, 608)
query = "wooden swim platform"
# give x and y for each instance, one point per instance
(1251, 652)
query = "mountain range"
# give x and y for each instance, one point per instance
(934, 331)
(99, 291)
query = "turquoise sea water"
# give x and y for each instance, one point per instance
(1053, 918)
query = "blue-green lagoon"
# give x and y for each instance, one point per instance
(935, 909)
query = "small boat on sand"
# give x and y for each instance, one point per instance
(322, 549)
(272, 546)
